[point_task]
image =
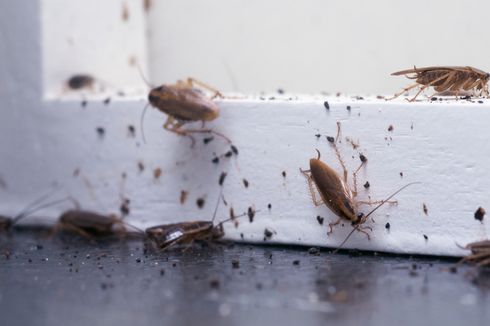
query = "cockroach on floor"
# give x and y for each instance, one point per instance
(450, 80)
(183, 102)
(90, 225)
(164, 236)
(480, 253)
(336, 194)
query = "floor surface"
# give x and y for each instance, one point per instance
(65, 280)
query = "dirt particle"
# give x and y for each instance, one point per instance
(214, 283)
(367, 185)
(390, 128)
(480, 214)
(200, 202)
(320, 219)
(207, 140)
(222, 178)
(425, 209)
(314, 251)
(183, 196)
(131, 131)
(251, 214)
(100, 132)
(141, 166)
(245, 183)
(157, 173)
(124, 208)
(268, 234)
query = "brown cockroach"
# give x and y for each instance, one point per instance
(90, 224)
(336, 194)
(480, 253)
(167, 235)
(453, 80)
(183, 102)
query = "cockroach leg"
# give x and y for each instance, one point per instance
(406, 89)
(190, 82)
(331, 225)
(376, 202)
(311, 187)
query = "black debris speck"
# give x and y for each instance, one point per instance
(100, 131)
(245, 183)
(319, 219)
(480, 214)
(107, 101)
(200, 202)
(162, 272)
(222, 178)
(330, 139)
(268, 233)
(251, 214)
(235, 264)
(214, 283)
(348, 108)
(80, 81)
(229, 154)
(280, 91)
(426, 237)
(387, 225)
(234, 149)
(296, 262)
(84, 103)
(318, 135)
(390, 128)
(131, 131)
(269, 206)
(215, 160)
(327, 106)
(284, 174)
(367, 185)
(207, 140)
(313, 251)
(363, 158)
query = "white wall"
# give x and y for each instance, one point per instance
(314, 45)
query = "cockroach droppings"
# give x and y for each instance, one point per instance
(283, 174)
(390, 128)
(245, 183)
(318, 136)
(251, 214)
(331, 139)
(234, 149)
(125, 12)
(131, 131)
(296, 262)
(425, 209)
(426, 237)
(480, 214)
(207, 140)
(235, 264)
(124, 208)
(401, 174)
(367, 185)
(215, 160)
(320, 219)
(267, 234)
(222, 178)
(387, 226)
(228, 154)
(141, 166)
(326, 105)
(269, 206)
(200, 202)
(157, 173)
(363, 158)
(348, 108)
(84, 103)
(183, 197)
(107, 101)
(100, 131)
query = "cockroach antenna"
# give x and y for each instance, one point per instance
(364, 218)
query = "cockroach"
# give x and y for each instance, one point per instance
(183, 102)
(336, 194)
(80, 81)
(90, 224)
(167, 235)
(7, 223)
(452, 80)
(480, 253)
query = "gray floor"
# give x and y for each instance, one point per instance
(67, 281)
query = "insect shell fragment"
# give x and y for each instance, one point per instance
(167, 235)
